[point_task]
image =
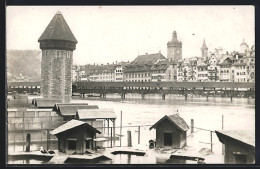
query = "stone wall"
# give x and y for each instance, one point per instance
(56, 76)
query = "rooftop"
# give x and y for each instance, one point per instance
(142, 59)
(71, 124)
(45, 103)
(58, 29)
(96, 114)
(245, 136)
(71, 109)
(176, 120)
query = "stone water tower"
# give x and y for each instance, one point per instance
(57, 43)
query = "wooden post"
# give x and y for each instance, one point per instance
(211, 141)
(111, 137)
(222, 122)
(129, 139)
(23, 130)
(114, 131)
(104, 126)
(139, 134)
(28, 142)
(41, 133)
(223, 146)
(192, 125)
(14, 143)
(108, 126)
(120, 128)
(48, 140)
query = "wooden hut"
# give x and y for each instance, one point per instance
(239, 146)
(75, 136)
(171, 132)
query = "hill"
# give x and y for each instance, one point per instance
(25, 62)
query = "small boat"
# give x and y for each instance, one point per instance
(51, 152)
(42, 150)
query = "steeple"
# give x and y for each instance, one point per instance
(174, 35)
(204, 50)
(204, 45)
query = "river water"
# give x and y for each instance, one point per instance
(239, 114)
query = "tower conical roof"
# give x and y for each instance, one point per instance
(58, 29)
(204, 45)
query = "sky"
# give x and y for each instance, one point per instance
(107, 34)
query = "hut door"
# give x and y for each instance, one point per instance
(87, 144)
(167, 139)
(240, 158)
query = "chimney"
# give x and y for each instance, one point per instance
(146, 53)
(107, 63)
(94, 64)
(116, 62)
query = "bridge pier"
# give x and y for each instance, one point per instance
(142, 95)
(163, 96)
(122, 96)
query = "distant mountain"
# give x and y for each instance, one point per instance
(25, 62)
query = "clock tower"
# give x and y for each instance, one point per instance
(174, 48)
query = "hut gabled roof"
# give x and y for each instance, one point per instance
(70, 110)
(57, 105)
(244, 136)
(72, 124)
(176, 120)
(96, 114)
(46, 103)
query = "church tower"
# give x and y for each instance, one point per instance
(57, 43)
(243, 47)
(204, 50)
(174, 48)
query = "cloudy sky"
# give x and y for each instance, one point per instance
(107, 34)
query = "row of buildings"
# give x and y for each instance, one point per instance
(237, 66)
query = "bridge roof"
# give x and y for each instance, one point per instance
(169, 84)
(38, 83)
(96, 114)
